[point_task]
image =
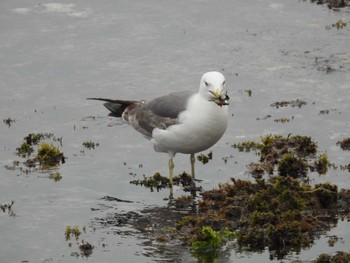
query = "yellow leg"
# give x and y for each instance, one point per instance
(171, 171)
(193, 160)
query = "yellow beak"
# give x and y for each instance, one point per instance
(219, 99)
(217, 94)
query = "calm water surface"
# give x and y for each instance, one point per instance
(53, 55)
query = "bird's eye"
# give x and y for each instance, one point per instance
(206, 83)
(224, 83)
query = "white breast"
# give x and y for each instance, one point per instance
(199, 128)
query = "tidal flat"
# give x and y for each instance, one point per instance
(66, 167)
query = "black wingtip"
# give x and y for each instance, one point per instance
(101, 99)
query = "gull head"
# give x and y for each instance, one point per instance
(213, 88)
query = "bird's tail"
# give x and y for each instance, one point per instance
(116, 107)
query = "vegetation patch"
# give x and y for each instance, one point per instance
(204, 158)
(73, 233)
(283, 120)
(264, 118)
(249, 92)
(90, 145)
(207, 244)
(326, 112)
(292, 103)
(158, 182)
(246, 146)
(280, 213)
(39, 152)
(85, 248)
(9, 121)
(285, 155)
(339, 257)
(332, 4)
(49, 156)
(344, 144)
(292, 165)
(345, 167)
(340, 24)
(7, 208)
(24, 150)
(55, 176)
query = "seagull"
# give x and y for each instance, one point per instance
(184, 122)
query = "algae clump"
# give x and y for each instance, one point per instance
(290, 165)
(291, 155)
(207, 244)
(280, 213)
(90, 144)
(207, 241)
(49, 155)
(39, 154)
(24, 150)
(72, 232)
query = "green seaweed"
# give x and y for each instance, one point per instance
(157, 181)
(338, 257)
(86, 248)
(25, 150)
(72, 232)
(344, 144)
(249, 92)
(292, 155)
(293, 166)
(327, 194)
(322, 163)
(55, 176)
(7, 208)
(293, 103)
(204, 158)
(9, 121)
(340, 24)
(246, 146)
(207, 244)
(207, 241)
(282, 120)
(49, 155)
(303, 145)
(280, 213)
(90, 144)
(35, 138)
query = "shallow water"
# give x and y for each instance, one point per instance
(54, 55)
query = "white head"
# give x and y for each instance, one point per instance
(213, 88)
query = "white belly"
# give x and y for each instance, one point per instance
(199, 128)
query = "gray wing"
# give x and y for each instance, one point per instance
(159, 113)
(171, 105)
(145, 116)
